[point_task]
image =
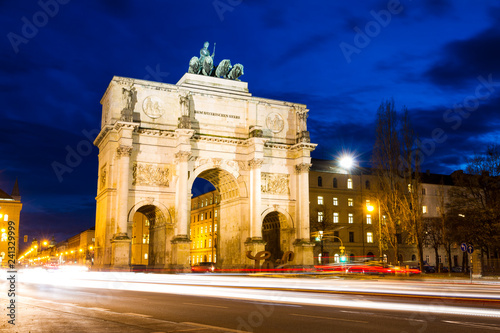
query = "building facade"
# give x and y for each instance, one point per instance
(203, 228)
(10, 214)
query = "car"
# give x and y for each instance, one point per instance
(429, 269)
(203, 267)
(456, 269)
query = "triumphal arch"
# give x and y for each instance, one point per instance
(157, 138)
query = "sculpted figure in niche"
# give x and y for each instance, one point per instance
(184, 101)
(130, 98)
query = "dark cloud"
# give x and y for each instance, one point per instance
(463, 61)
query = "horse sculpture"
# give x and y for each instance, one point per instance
(204, 65)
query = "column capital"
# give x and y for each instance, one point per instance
(302, 167)
(123, 150)
(255, 163)
(183, 156)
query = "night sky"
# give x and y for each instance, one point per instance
(441, 59)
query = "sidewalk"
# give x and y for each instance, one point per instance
(33, 316)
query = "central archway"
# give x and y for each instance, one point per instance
(216, 221)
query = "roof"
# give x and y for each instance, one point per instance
(435, 178)
(5, 196)
(331, 166)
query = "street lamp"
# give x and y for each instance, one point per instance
(370, 208)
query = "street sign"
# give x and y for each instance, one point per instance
(470, 249)
(463, 247)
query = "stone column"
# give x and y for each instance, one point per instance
(181, 242)
(255, 198)
(120, 243)
(302, 246)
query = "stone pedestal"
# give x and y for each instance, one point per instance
(254, 245)
(181, 246)
(304, 254)
(120, 252)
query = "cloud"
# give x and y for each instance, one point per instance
(464, 60)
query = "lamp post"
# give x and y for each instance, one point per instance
(370, 208)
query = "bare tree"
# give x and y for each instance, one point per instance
(396, 164)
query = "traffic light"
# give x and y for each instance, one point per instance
(317, 239)
(343, 258)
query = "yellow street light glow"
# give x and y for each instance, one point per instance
(370, 208)
(346, 162)
(66, 252)
(1, 215)
(91, 247)
(81, 250)
(72, 251)
(45, 243)
(36, 246)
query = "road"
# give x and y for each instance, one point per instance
(250, 305)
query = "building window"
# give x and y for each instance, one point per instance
(349, 183)
(215, 213)
(211, 200)
(427, 259)
(210, 257)
(424, 209)
(145, 256)
(145, 239)
(320, 200)
(201, 203)
(335, 217)
(350, 202)
(336, 258)
(409, 188)
(206, 228)
(215, 227)
(320, 216)
(439, 259)
(369, 237)
(335, 201)
(201, 230)
(320, 181)
(351, 218)
(334, 182)
(368, 219)
(367, 184)
(210, 228)
(423, 191)
(210, 242)
(336, 236)
(351, 236)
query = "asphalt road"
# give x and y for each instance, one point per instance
(105, 310)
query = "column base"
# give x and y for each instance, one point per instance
(120, 252)
(254, 245)
(304, 254)
(181, 248)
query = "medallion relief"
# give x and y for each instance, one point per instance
(275, 122)
(153, 107)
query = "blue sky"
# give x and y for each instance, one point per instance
(438, 58)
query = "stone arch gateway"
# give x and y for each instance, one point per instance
(157, 138)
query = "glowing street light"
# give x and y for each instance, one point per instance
(346, 162)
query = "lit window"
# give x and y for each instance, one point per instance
(215, 258)
(320, 200)
(215, 213)
(335, 201)
(210, 242)
(201, 230)
(409, 188)
(368, 219)
(424, 209)
(201, 203)
(336, 258)
(349, 183)
(216, 199)
(145, 256)
(206, 202)
(351, 218)
(210, 228)
(427, 258)
(4, 236)
(350, 202)
(206, 228)
(335, 217)
(320, 216)
(215, 227)
(209, 257)
(145, 239)
(369, 237)
(146, 223)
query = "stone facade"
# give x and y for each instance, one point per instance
(10, 211)
(157, 138)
